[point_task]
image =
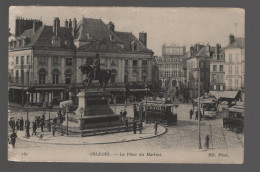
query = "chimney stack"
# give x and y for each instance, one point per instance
(217, 49)
(70, 24)
(143, 38)
(66, 23)
(231, 39)
(56, 26)
(111, 26)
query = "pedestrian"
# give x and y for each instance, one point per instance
(27, 126)
(21, 124)
(155, 127)
(134, 127)
(191, 113)
(207, 141)
(124, 114)
(17, 124)
(55, 120)
(140, 127)
(38, 121)
(53, 127)
(13, 137)
(12, 124)
(41, 125)
(126, 124)
(121, 112)
(43, 119)
(197, 115)
(34, 126)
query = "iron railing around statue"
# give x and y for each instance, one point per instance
(100, 128)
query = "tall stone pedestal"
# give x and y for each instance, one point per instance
(97, 112)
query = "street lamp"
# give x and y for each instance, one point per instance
(81, 110)
(67, 112)
(146, 87)
(199, 111)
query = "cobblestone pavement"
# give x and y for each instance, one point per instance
(179, 144)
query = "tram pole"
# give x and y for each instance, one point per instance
(146, 121)
(199, 113)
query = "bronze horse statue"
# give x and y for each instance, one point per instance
(102, 76)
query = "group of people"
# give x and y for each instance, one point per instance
(16, 125)
(140, 126)
(123, 113)
(196, 114)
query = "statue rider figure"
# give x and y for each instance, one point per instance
(96, 65)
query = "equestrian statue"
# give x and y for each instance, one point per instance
(94, 72)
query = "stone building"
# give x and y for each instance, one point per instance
(217, 71)
(44, 60)
(199, 65)
(169, 66)
(235, 64)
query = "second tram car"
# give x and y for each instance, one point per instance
(234, 119)
(208, 107)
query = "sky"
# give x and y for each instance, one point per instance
(172, 26)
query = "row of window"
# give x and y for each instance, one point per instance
(218, 79)
(221, 68)
(230, 83)
(233, 59)
(169, 74)
(55, 61)
(230, 69)
(135, 63)
(168, 66)
(168, 60)
(23, 60)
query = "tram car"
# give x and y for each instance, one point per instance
(158, 111)
(234, 119)
(208, 106)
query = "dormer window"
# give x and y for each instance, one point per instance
(55, 41)
(67, 43)
(89, 36)
(134, 46)
(111, 37)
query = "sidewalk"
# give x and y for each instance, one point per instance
(148, 132)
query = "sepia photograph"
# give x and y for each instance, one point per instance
(126, 84)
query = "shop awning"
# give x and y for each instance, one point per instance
(18, 88)
(224, 94)
(48, 89)
(139, 89)
(115, 89)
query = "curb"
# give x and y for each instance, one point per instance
(165, 131)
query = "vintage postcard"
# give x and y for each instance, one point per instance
(126, 84)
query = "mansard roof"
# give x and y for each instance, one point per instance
(100, 34)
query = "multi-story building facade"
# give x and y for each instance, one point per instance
(198, 65)
(235, 64)
(170, 66)
(217, 71)
(44, 60)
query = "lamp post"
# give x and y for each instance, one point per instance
(81, 110)
(199, 112)
(67, 112)
(146, 104)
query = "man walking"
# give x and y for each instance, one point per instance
(34, 126)
(41, 124)
(140, 127)
(17, 124)
(197, 115)
(13, 137)
(53, 127)
(27, 126)
(21, 124)
(155, 127)
(126, 124)
(207, 141)
(191, 113)
(134, 127)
